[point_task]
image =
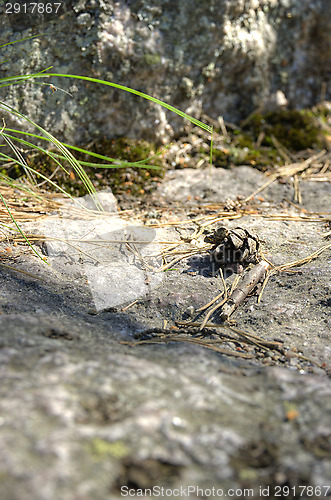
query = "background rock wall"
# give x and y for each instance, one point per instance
(219, 57)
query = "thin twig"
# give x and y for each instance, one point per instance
(234, 284)
(213, 309)
(130, 305)
(246, 286)
(22, 272)
(202, 343)
(211, 302)
(286, 171)
(297, 191)
(281, 149)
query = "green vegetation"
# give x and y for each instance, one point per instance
(151, 59)
(296, 130)
(137, 167)
(102, 449)
(263, 139)
(54, 162)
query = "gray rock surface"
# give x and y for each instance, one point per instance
(218, 184)
(225, 57)
(82, 414)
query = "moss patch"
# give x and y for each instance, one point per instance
(296, 130)
(102, 449)
(236, 154)
(151, 59)
(255, 143)
(134, 179)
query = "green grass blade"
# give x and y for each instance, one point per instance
(21, 232)
(46, 179)
(132, 91)
(38, 148)
(16, 185)
(22, 39)
(122, 164)
(21, 78)
(69, 156)
(211, 148)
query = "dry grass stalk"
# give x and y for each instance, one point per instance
(297, 192)
(287, 171)
(290, 265)
(217, 306)
(282, 150)
(21, 271)
(191, 340)
(211, 337)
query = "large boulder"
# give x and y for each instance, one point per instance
(218, 57)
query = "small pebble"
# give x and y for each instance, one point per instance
(92, 311)
(189, 312)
